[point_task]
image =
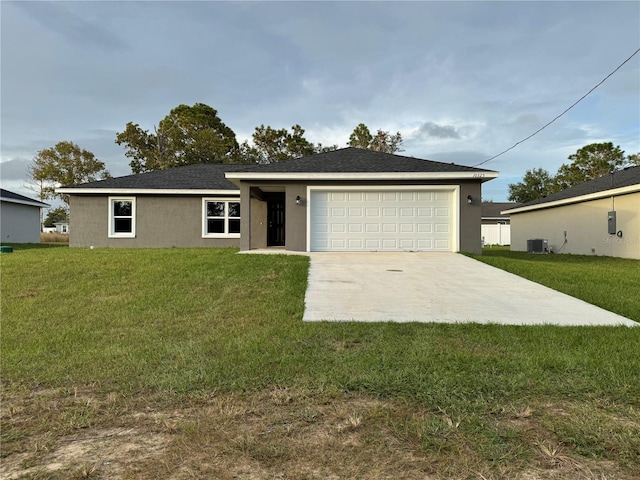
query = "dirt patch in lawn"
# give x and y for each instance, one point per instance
(274, 434)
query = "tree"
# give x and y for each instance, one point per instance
(360, 137)
(59, 214)
(380, 142)
(536, 183)
(186, 136)
(64, 164)
(271, 145)
(589, 162)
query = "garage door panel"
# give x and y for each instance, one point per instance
(389, 196)
(389, 244)
(394, 220)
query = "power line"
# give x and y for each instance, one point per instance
(556, 118)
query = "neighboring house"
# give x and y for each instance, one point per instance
(62, 227)
(599, 217)
(19, 218)
(496, 228)
(345, 200)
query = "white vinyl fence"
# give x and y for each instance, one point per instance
(496, 234)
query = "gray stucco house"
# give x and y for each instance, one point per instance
(19, 218)
(598, 217)
(345, 200)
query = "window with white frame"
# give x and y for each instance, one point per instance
(122, 217)
(221, 218)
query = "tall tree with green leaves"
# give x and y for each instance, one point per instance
(186, 136)
(360, 137)
(64, 164)
(589, 162)
(382, 141)
(271, 145)
(536, 183)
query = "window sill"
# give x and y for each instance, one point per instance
(222, 235)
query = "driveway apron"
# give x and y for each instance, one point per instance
(436, 287)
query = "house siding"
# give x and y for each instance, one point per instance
(19, 223)
(161, 221)
(586, 227)
(253, 229)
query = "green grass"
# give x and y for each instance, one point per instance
(175, 326)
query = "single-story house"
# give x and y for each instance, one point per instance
(492, 212)
(345, 200)
(496, 228)
(61, 227)
(598, 217)
(20, 218)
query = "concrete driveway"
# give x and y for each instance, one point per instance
(436, 287)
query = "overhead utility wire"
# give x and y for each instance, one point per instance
(556, 118)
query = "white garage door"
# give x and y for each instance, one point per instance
(384, 220)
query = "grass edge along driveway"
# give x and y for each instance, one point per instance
(205, 351)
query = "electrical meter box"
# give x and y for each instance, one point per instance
(611, 222)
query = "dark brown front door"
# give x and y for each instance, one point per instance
(275, 219)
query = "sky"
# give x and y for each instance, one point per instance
(461, 81)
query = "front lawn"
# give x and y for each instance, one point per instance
(194, 363)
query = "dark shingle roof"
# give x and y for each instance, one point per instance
(493, 209)
(357, 160)
(8, 195)
(623, 178)
(212, 176)
(205, 176)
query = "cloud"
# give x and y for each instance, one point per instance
(433, 130)
(73, 22)
(15, 169)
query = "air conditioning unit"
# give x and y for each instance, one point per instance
(538, 245)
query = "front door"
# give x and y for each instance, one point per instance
(275, 219)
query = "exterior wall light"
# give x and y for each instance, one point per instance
(469, 199)
(298, 199)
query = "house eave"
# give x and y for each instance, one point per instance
(145, 191)
(354, 176)
(25, 202)
(579, 199)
